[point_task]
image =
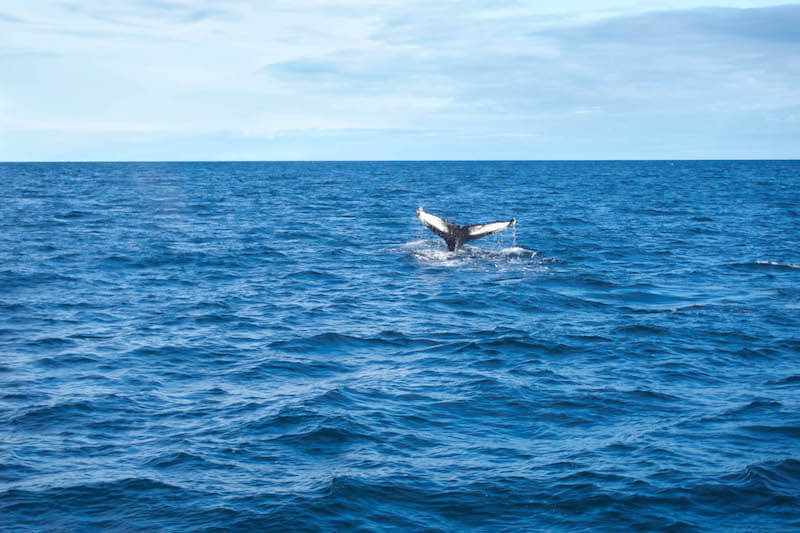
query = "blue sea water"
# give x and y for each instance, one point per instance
(283, 346)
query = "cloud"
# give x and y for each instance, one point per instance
(6, 17)
(515, 69)
(695, 59)
(778, 23)
(474, 77)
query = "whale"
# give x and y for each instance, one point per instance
(456, 236)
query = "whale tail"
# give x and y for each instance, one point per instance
(454, 235)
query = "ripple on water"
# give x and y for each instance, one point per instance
(282, 346)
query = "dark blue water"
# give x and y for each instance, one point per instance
(283, 346)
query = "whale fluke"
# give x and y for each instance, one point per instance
(454, 235)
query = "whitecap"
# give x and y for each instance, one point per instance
(778, 265)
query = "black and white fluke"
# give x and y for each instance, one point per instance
(456, 236)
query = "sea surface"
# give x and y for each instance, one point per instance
(284, 347)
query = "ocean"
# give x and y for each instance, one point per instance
(284, 347)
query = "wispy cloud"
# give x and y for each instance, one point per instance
(507, 79)
(6, 17)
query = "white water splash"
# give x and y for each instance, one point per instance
(434, 254)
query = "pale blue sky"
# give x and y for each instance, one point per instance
(311, 79)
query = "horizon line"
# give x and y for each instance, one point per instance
(587, 160)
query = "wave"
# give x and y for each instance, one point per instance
(183, 460)
(761, 410)
(123, 504)
(108, 411)
(327, 341)
(328, 438)
(11, 279)
(777, 431)
(643, 330)
(46, 417)
(787, 381)
(282, 368)
(765, 265)
(769, 485)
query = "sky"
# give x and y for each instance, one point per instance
(149, 80)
